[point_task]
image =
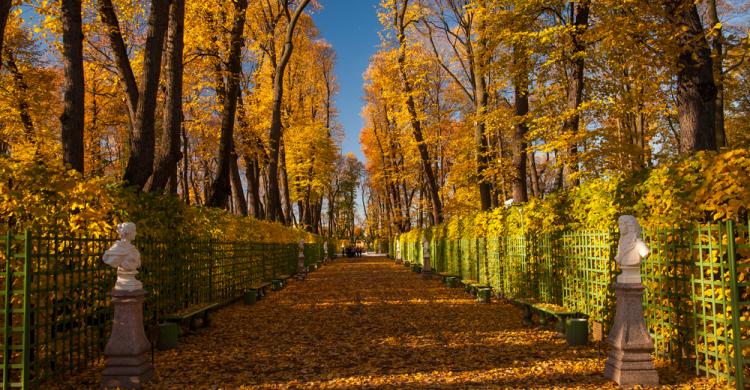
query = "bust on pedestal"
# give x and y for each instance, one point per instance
(426, 266)
(127, 364)
(398, 251)
(630, 361)
(301, 269)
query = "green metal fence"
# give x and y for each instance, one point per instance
(55, 292)
(697, 278)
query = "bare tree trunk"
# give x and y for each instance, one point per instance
(416, 126)
(221, 186)
(109, 18)
(185, 167)
(287, 212)
(169, 154)
(21, 94)
(521, 93)
(535, 186)
(5, 6)
(273, 208)
(717, 54)
(580, 20)
(696, 90)
(72, 118)
(141, 161)
(238, 193)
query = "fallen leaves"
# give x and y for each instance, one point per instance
(369, 324)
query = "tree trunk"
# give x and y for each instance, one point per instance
(120, 51)
(21, 95)
(287, 215)
(696, 90)
(72, 118)
(141, 161)
(169, 154)
(571, 125)
(5, 6)
(238, 193)
(717, 54)
(521, 93)
(416, 126)
(273, 206)
(221, 186)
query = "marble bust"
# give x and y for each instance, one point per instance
(124, 256)
(630, 250)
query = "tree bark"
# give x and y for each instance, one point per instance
(521, 93)
(72, 118)
(580, 20)
(717, 54)
(21, 94)
(221, 186)
(273, 208)
(141, 161)
(169, 154)
(696, 90)
(238, 193)
(120, 51)
(416, 126)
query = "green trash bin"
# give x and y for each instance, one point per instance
(169, 333)
(451, 281)
(577, 331)
(484, 295)
(251, 296)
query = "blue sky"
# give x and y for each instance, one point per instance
(352, 27)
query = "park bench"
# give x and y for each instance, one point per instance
(192, 314)
(260, 288)
(279, 282)
(472, 286)
(531, 306)
(445, 275)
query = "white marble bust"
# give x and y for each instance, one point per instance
(631, 250)
(124, 256)
(425, 248)
(398, 249)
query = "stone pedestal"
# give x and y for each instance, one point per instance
(630, 361)
(127, 362)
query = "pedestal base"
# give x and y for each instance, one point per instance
(127, 362)
(426, 274)
(630, 361)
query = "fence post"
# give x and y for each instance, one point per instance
(26, 307)
(739, 362)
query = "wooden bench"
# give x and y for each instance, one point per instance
(192, 313)
(260, 288)
(445, 275)
(279, 282)
(560, 313)
(472, 286)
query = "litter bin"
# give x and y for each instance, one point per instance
(484, 295)
(577, 331)
(168, 335)
(451, 281)
(251, 296)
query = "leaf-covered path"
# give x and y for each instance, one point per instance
(369, 323)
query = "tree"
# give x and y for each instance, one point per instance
(141, 103)
(696, 90)
(398, 9)
(72, 118)
(221, 186)
(169, 154)
(273, 208)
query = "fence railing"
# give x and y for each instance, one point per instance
(55, 292)
(697, 279)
